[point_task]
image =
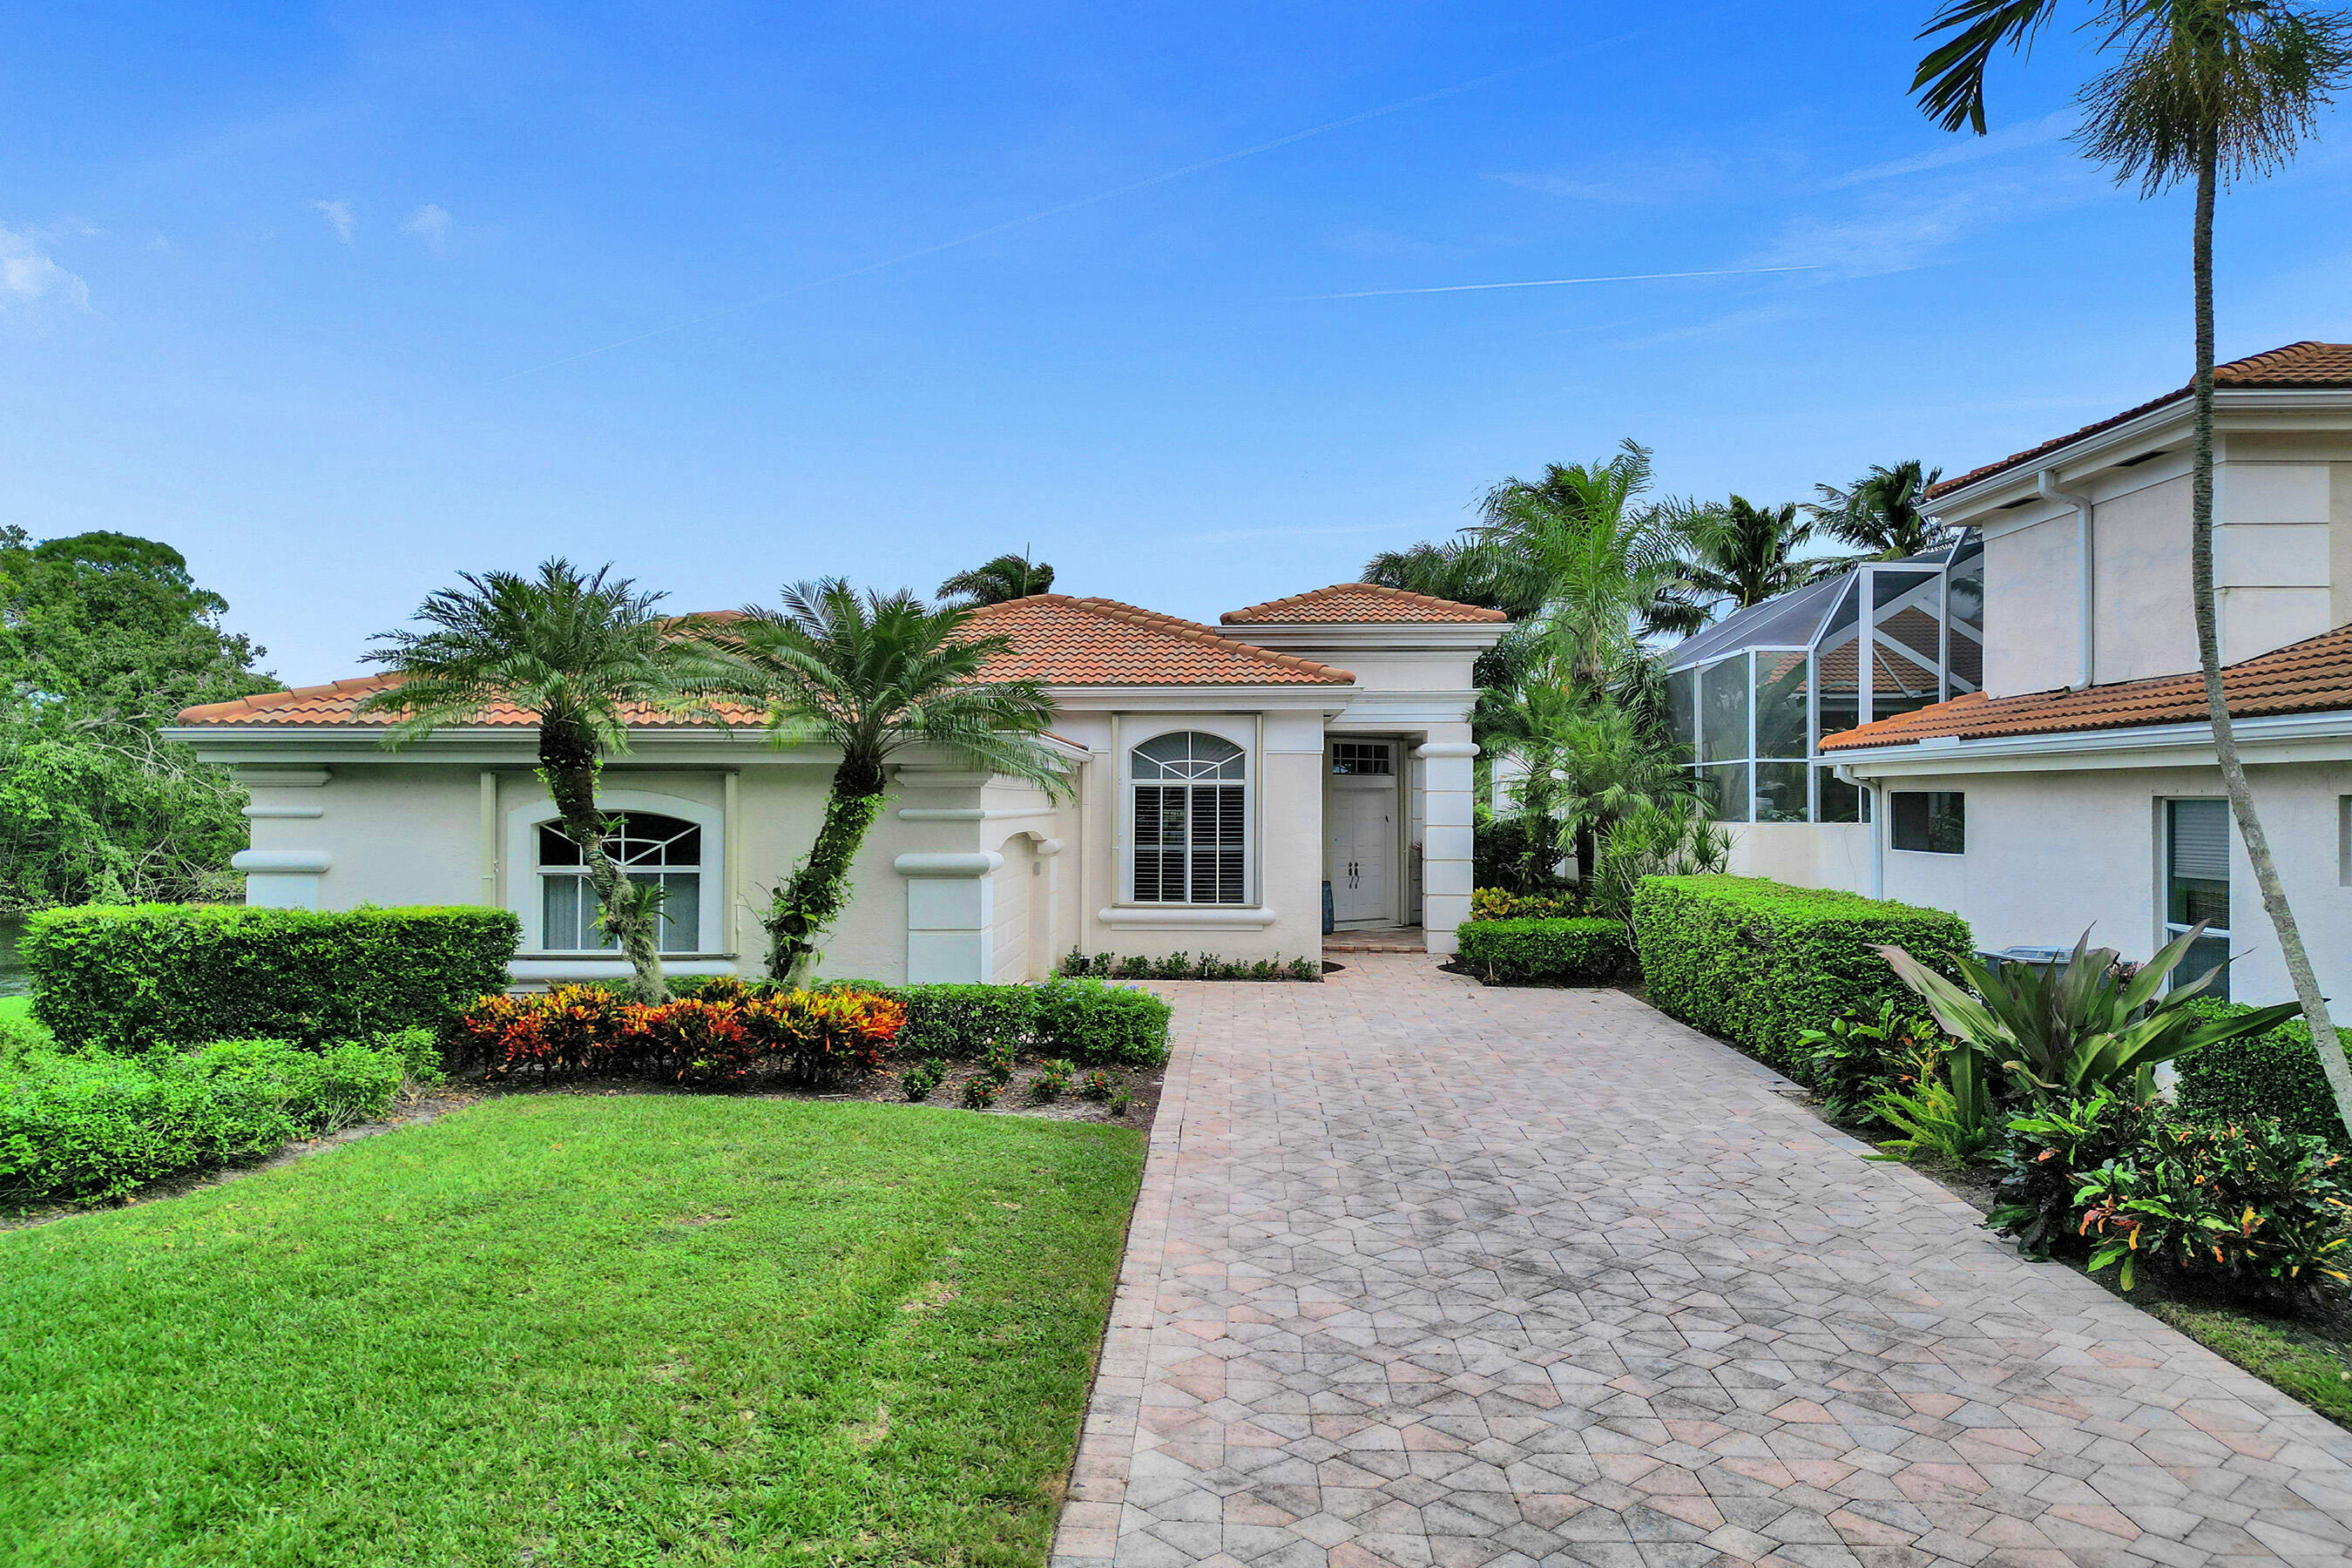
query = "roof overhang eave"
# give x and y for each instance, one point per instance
(2322, 736)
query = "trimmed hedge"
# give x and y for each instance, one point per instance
(1090, 1023)
(1577, 951)
(2275, 1074)
(961, 1021)
(1082, 1020)
(1758, 962)
(99, 1125)
(136, 977)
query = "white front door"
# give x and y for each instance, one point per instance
(1360, 849)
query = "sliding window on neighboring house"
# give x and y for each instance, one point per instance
(664, 852)
(1928, 821)
(2197, 887)
(1190, 812)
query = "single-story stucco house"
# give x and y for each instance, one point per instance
(1218, 778)
(2026, 742)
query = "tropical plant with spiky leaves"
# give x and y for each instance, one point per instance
(1008, 577)
(1741, 555)
(870, 675)
(2203, 91)
(575, 649)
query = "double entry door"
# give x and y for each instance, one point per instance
(1360, 829)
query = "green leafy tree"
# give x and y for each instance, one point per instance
(1741, 555)
(2202, 91)
(104, 637)
(870, 675)
(1008, 577)
(1458, 569)
(1881, 514)
(579, 650)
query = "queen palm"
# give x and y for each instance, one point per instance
(1597, 559)
(1008, 577)
(575, 650)
(1741, 554)
(869, 675)
(1880, 514)
(2201, 91)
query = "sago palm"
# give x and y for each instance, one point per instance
(870, 675)
(573, 648)
(1008, 577)
(2201, 90)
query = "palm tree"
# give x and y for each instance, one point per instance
(575, 650)
(869, 675)
(1009, 576)
(1741, 554)
(1459, 569)
(1608, 767)
(1880, 514)
(2203, 91)
(1597, 560)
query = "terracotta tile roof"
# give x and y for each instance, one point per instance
(2310, 676)
(1058, 640)
(1359, 602)
(2306, 363)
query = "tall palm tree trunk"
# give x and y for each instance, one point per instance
(2208, 658)
(804, 908)
(567, 761)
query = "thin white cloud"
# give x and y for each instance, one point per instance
(1963, 150)
(28, 275)
(1896, 231)
(432, 224)
(339, 217)
(1561, 282)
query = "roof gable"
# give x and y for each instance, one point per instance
(1360, 602)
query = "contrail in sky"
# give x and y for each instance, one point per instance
(1095, 200)
(1557, 282)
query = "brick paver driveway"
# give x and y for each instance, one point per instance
(1425, 1273)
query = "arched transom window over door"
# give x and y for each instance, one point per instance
(662, 851)
(1191, 817)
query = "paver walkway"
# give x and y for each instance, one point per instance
(1429, 1273)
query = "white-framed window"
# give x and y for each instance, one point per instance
(1189, 809)
(661, 852)
(2197, 887)
(1362, 758)
(1928, 821)
(672, 843)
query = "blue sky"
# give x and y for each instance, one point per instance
(341, 300)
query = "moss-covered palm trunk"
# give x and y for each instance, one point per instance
(568, 762)
(2292, 951)
(804, 908)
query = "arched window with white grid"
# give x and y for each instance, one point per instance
(1189, 808)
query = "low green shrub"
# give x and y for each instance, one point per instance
(93, 1124)
(145, 976)
(2276, 1074)
(1053, 1081)
(2044, 1155)
(918, 1082)
(1091, 1024)
(1862, 1058)
(1758, 962)
(1580, 951)
(980, 1091)
(961, 1021)
(1099, 1085)
(1502, 904)
(19, 1031)
(1077, 965)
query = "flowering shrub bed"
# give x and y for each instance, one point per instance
(722, 1035)
(1502, 904)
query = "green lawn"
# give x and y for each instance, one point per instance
(574, 1330)
(2306, 1361)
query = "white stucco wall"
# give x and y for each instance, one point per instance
(2050, 854)
(1801, 853)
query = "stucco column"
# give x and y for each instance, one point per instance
(282, 871)
(1445, 868)
(949, 916)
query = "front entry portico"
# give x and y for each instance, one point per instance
(1363, 832)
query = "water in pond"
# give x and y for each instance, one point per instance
(12, 968)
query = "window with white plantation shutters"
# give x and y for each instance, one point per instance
(1191, 821)
(2197, 887)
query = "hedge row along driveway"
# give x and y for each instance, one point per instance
(576, 1328)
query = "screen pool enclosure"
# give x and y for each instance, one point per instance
(1752, 696)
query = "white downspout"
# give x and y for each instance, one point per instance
(1877, 827)
(2045, 482)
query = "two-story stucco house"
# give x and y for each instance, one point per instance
(2026, 742)
(1218, 779)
